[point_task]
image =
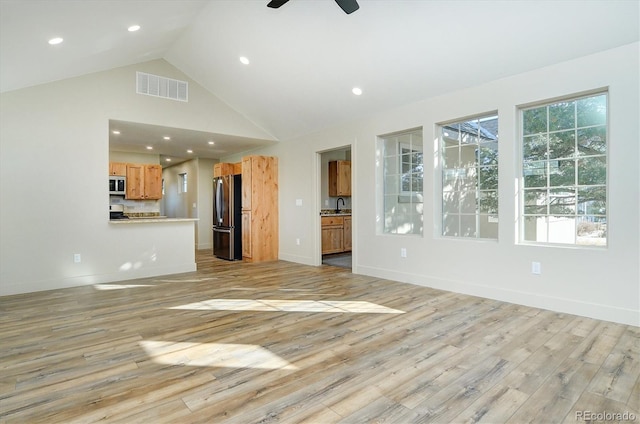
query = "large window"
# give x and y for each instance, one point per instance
(403, 178)
(564, 172)
(469, 152)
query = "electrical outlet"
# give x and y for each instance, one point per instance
(298, 202)
(77, 258)
(326, 202)
(536, 268)
(298, 242)
(403, 252)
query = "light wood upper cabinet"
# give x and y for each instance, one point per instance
(135, 181)
(118, 168)
(260, 208)
(153, 182)
(340, 178)
(144, 182)
(220, 169)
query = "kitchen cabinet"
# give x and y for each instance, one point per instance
(220, 169)
(118, 168)
(259, 208)
(246, 183)
(144, 182)
(246, 236)
(336, 234)
(153, 181)
(340, 178)
(135, 181)
(346, 237)
(332, 234)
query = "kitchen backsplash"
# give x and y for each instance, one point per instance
(137, 207)
(142, 214)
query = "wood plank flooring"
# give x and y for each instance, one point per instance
(288, 343)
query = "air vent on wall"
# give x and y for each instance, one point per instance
(154, 85)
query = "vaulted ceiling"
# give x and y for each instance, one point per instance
(306, 56)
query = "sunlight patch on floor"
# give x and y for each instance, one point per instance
(184, 280)
(213, 355)
(339, 306)
(119, 286)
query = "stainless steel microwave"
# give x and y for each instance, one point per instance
(117, 185)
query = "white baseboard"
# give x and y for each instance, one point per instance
(84, 280)
(536, 300)
(305, 260)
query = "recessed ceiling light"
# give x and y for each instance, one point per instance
(149, 148)
(212, 143)
(168, 160)
(116, 132)
(56, 40)
(166, 137)
(357, 91)
(189, 151)
(133, 28)
(244, 60)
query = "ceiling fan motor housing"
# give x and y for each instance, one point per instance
(349, 6)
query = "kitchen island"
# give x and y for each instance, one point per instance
(150, 246)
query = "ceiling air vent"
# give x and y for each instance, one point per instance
(154, 85)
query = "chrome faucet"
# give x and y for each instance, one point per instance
(338, 204)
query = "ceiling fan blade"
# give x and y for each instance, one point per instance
(349, 6)
(276, 3)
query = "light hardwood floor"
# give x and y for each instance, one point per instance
(281, 342)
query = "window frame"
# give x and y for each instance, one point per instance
(182, 183)
(492, 217)
(408, 206)
(552, 189)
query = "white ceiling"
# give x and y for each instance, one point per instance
(308, 55)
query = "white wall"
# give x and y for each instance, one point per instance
(205, 203)
(177, 204)
(199, 193)
(54, 156)
(600, 283)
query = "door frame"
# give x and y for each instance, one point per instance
(317, 260)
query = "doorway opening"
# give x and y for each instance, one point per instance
(335, 207)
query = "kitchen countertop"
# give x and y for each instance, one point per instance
(332, 212)
(151, 220)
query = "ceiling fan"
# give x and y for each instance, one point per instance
(349, 6)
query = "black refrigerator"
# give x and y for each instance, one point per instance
(227, 217)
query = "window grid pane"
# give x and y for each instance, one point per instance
(403, 176)
(564, 172)
(469, 158)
